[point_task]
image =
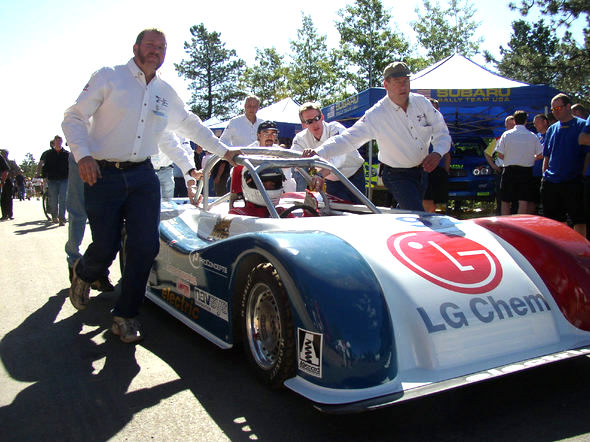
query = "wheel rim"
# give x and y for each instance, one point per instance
(263, 326)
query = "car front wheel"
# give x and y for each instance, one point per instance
(267, 326)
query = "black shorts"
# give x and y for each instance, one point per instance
(516, 183)
(563, 199)
(587, 199)
(438, 186)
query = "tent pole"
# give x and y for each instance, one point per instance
(370, 183)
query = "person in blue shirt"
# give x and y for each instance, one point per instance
(584, 139)
(562, 187)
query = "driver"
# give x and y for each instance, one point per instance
(272, 180)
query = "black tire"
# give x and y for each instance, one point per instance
(44, 201)
(267, 326)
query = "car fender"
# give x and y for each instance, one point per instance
(330, 351)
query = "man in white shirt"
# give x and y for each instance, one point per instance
(241, 130)
(404, 125)
(316, 131)
(117, 123)
(518, 149)
(164, 165)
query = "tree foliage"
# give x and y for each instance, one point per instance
(367, 43)
(29, 165)
(267, 79)
(214, 72)
(445, 31)
(535, 54)
(314, 72)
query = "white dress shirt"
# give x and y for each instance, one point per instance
(347, 163)
(183, 157)
(519, 147)
(118, 117)
(240, 131)
(403, 137)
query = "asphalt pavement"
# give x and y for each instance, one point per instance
(64, 376)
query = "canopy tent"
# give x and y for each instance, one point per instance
(472, 99)
(284, 112)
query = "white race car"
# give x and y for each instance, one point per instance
(362, 306)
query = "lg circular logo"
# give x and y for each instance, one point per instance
(450, 261)
(194, 259)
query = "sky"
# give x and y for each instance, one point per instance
(50, 49)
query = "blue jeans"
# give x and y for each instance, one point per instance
(131, 196)
(76, 211)
(300, 183)
(166, 177)
(57, 198)
(406, 185)
(338, 189)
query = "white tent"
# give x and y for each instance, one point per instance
(458, 72)
(285, 112)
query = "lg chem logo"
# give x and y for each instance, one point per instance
(450, 261)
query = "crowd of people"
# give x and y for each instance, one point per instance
(128, 155)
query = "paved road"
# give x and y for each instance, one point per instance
(65, 377)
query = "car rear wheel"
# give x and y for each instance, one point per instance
(267, 326)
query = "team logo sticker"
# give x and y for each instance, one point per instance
(450, 261)
(309, 349)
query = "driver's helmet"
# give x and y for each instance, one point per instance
(274, 178)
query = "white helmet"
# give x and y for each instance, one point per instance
(252, 194)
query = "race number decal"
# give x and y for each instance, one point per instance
(450, 261)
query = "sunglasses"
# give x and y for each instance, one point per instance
(557, 108)
(311, 120)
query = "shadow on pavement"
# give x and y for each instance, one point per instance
(34, 226)
(75, 397)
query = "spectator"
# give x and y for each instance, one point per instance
(404, 124)
(579, 111)
(437, 189)
(584, 139)
(7, 171)
(317, 131)
(562, 188)
(518, 148)
(20, 185)
(541, 123)
(112, 141)
(164, 165)
(241, 130)
(54, 163)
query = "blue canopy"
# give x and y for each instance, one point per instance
(466, 111)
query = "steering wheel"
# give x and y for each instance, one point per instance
(309, 209)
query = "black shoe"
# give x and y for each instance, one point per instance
(102, 285)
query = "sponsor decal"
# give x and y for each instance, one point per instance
(180, 303)
(453, 262)
(181, 274)
(221, 229)
(210, 303)
(472, 95)
(310, 349)
(183, 288)
(197, 261)
(482, 310)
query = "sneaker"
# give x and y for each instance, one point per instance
(103, 284)
(79, 290)
(128, 329)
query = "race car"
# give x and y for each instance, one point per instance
(364, 306)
